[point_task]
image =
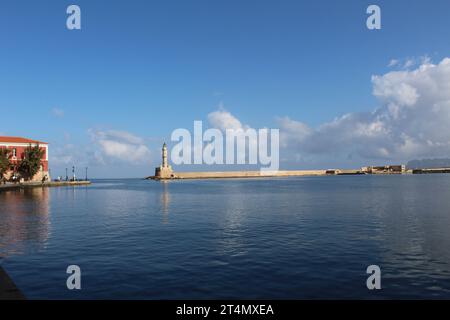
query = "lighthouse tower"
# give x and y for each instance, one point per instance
(165, 163)
(164, 171)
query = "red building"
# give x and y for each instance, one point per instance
(17, 147)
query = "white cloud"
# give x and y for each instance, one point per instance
(413, 121)
(409, 62)
(293, 131)
(390, 90)
(222, 119)
(63, 155)
(59, 113)
(122, 136)
(119, 145)
(425, 59)
(393, 63)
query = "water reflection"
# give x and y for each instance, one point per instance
(24, 220)
(235, 209)
(412, 231)
(269, 238)
(165, 201)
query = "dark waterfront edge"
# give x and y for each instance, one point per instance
(45, 184)
(8, 289)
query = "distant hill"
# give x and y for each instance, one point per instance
(429, 163)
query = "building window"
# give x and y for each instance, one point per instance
(14, 153)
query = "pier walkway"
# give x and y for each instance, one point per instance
(25, 185)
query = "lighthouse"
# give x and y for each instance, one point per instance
(165, 163)
(164, 171)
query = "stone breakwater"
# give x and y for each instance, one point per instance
(241, 174)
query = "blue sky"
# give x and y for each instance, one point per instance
(149, 67)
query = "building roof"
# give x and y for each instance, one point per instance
(19, 140)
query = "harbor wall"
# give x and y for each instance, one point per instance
(245, 174)
(13, 186)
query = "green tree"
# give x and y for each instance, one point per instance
(4, 162)
(31, 161)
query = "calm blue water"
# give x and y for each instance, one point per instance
(275, 238)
